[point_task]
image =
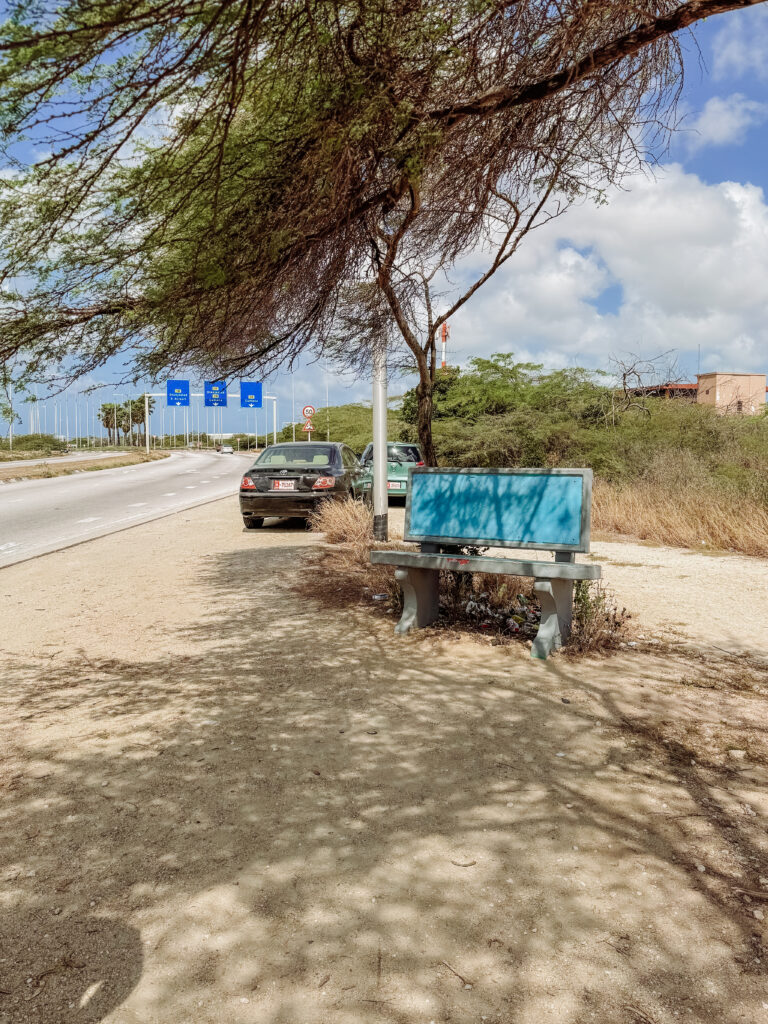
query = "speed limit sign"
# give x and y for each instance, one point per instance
(308, 411)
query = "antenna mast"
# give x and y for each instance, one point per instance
(445, 333)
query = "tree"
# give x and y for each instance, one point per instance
(8, 398)
(218, 174)
(111, 415)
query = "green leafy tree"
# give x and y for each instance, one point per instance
(216, 176)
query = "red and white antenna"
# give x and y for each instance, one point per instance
(445, 333)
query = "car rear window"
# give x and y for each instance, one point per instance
(301, 455)
(403, 453)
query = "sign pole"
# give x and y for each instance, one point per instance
(146, 420)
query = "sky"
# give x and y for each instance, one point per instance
(677, 260)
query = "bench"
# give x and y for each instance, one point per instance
(537, 509)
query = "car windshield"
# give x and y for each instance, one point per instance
(298, 455)
(403, 453)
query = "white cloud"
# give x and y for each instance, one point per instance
(725, 120)
(686, 261)
(741, 46)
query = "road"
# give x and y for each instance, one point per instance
(39, 516)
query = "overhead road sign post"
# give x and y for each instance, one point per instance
(215, 393)
(177, 392)
(250, 396)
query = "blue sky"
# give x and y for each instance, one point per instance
(677, 260)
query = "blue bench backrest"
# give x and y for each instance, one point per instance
(513, 508)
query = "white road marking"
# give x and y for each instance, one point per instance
(190, 487)
(169, 494)
(90, 519)
(138, 504)
(205, 481)
(8, 546)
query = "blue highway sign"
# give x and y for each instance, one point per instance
(250, 396)
(177, 392)
(215, 393)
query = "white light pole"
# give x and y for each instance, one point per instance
(293, 407)
(273, 399)
(327, 406)
(380, 495)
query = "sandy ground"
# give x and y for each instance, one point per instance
(223, 804)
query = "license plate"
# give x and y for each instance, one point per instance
(394, 485)
(283, 485)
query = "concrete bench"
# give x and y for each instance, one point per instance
(538, 509)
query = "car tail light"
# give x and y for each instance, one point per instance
(323, 483)
(247, 484)
(419, 463)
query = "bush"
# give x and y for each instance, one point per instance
(599, 625)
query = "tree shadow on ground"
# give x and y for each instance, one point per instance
(310, 821)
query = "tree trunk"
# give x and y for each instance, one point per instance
(424, 421)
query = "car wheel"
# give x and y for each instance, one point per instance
(252, 523)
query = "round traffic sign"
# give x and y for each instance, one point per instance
(307, 411)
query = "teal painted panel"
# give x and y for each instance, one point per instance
(513, 508)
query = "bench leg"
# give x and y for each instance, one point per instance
(556, 599)
(421, 597)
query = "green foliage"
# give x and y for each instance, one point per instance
(500, 385)
(31, 445)
(501, 413)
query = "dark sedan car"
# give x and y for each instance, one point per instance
(290, 480)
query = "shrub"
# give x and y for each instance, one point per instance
(599, 625)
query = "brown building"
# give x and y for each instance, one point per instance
(742, 393)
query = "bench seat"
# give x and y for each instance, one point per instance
(479, 563)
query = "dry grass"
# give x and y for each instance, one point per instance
(343, 572)
(504, 608)
(51, 469)
(674, 504)
(599, 624)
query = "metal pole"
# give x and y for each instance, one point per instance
(274, 420)
(380, 496)
(293, 407)
(146, 420)
(327, 406)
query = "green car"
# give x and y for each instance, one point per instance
(401, 458)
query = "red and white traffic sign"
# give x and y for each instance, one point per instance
(308, 426)
(308, 412)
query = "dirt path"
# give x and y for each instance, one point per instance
(222, 805)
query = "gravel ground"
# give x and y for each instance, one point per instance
(223, 804)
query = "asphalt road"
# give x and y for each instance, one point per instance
(39, 516)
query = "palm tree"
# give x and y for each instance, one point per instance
(109, 415)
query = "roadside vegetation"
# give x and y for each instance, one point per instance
(504, 609)
(50, 469)
(666, 471)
